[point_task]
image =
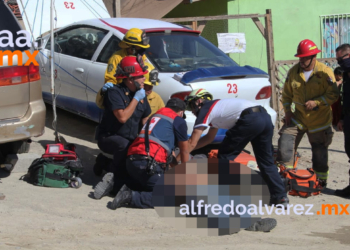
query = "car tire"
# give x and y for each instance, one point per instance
(16, 147)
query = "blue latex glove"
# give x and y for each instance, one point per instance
(107, 86)
(140, 94)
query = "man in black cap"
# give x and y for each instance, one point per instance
(149, 155)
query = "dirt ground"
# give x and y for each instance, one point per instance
(42, 218)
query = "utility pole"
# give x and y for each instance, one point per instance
(116, 8)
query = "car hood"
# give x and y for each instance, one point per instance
(222, 72)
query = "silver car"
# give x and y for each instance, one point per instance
(22, 110)
(82, 51)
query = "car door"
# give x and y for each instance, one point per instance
(95, 78)
(74, 49)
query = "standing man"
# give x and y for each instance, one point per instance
(148, 155)
(311, 86)
(154, 100)
(246, 122)
(343, 58)
(126, 107)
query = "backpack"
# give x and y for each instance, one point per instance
(59, 167)
(301, 182)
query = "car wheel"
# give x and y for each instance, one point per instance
(76, 182)
(16, 147)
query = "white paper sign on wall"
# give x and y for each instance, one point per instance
(232, 42)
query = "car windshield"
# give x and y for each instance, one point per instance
(179, 52)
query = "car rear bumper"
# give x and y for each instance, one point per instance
(31, 124)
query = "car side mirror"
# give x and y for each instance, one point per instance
(40, 43)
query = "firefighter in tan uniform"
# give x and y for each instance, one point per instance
(154, 100)
(310, 85)
(134, 42)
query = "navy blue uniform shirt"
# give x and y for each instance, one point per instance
(119, 97)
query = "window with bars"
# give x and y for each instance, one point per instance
(335, 31)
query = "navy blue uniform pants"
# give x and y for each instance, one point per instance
(257, 128)
(137, 172)
(118, 147)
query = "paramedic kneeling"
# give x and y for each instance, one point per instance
(148, 155)
(126, 107)
(246, 122)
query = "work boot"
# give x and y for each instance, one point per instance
(101, 164)
(322, 184)
(264, 225)
(343, 192)
(122, 198)
(284, 201)
(105, 186)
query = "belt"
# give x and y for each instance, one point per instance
(145, 157)
(256, 109)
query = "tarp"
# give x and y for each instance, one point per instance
(66, 12)
(205, 73)
(153, 9)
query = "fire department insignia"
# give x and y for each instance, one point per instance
(330, 81)
(110, 67)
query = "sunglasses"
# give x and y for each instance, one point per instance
(340, 59)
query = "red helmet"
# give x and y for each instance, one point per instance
(307, 48)
(131, 66)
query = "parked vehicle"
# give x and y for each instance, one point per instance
(82, 51)
(22, 110)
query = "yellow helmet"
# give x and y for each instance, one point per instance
(195, 95)
(134, 37)
(152, 75)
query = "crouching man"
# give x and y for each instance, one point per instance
(148, 155)
(126, 107)
(246, 122)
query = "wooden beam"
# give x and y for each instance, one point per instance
(259, 26)
(271, 60)
(210, 18)
(201, 26)
(194, 25)
(117, 8)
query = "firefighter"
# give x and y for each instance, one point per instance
(154, 100)
(148, 157)
(134, 43)
(311, 86)
(343, 58)
(240, 117)
(126, 107)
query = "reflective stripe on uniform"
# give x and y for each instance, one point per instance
(324, 100)
(322, 175)
(156, 140)
(301, 127)
(164, 117)
(319, 129)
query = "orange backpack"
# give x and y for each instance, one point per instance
(301, 182)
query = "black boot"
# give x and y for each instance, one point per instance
(284, 201)
(343, 192)
(122, 198)
(102, 163)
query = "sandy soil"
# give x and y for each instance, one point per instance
(43, 218)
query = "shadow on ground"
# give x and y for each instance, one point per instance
(71, 124)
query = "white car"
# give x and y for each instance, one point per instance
(82, 51)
